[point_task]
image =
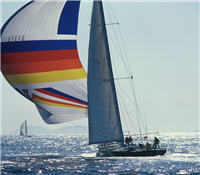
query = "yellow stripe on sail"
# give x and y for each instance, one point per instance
(55, 104)
(44, 77)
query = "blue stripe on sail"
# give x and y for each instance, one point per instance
(7, 22)
(64, 95)
(69, 18)
(23, 46)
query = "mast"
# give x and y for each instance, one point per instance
(103, 111)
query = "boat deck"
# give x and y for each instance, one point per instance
(129, 151)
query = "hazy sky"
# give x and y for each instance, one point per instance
(162, 43)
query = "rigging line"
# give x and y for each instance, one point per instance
(146, 127)
(114, 64)
(143, 120)
(141, 115)
(108, 24)
(151, 133)
(124, 92)
(123, 59)
(119, 97)
(114, 44)
(117, 50)
(124, 116)
(116, 37)
(121, 89)
(121, 78)
(119, 45)
(115, 47)
(133, 89)
(123, 48)
(122, 39)
(123, 113)
(116, 72)
(130, 119)
(123, 45)
(112, 23)
(141, 111)
(122, 56)
(121, 101)
(136, 103)
(150, 123)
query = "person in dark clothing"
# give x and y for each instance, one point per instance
(156, 143)
(126, 140)
(130, 139)
(148, 145)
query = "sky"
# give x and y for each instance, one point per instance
(162, 45)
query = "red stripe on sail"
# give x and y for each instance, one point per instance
(56, 102)
(35, 56)
(58, 96)
(40, 66)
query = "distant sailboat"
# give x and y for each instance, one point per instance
(40, 60)
(23, 129)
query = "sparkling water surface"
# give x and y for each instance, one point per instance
(72, 155)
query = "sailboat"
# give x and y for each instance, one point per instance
(23, 129)
(40, 60)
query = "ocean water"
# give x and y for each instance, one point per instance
(58, 155)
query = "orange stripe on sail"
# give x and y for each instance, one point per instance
(34, 67)
(20, 57)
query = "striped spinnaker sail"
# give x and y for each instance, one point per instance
(39, 58)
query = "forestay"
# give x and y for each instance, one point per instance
(40, 59)
(103, 112)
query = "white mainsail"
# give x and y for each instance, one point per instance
(103, 112)
(23, 128)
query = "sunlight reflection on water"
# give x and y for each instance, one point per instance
(72, 155)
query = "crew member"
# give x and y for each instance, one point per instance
(156, 143)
